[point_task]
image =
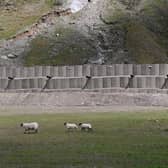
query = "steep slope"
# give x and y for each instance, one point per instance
(109, 31)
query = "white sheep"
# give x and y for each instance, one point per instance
(71, 126)
(32, 126)
(85, 126)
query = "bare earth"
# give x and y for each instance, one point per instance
(18, 110)
(79, 102)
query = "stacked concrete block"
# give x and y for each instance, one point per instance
(98, 83)
(62, 71)
(57, 83)
(70, 71)
(118, 69)
(110, 70)
(19, 84)
(163, 69)
(124, 82)
(55, 71)
(115, 82)
(3, 83)
(107, 82)
(19, 71)
(87, 70)
(155, 69)
(38, 71)
(127, 69)
(78, 71)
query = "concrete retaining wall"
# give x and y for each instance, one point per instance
(84, 77)
(83, 70)
(148, 82)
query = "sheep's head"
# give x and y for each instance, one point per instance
(21, 124)
(80, 124)
(65, 123)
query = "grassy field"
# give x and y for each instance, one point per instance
(119, 140)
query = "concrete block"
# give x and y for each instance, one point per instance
(118, 69)
(159, 81)
(134, 83)
(41, 82)
(18, 71)
(48, 71)
(11, 84)
(87, 70)
(137, 69)
(56, 73)
(13, 71)
(140, 84)
(115, 82)
(62, 71)
(150, 82)
(2, 72)
(47, 83)
(70, 71)
(163, 69)
(44, 71)
(110, 70)
(127, 69)
(78, 71)
(107, 82)
(18, 83)
(123, 83)
(104, 72)
(94, 70)
(58, 83)
(155, 69)
(38, 70)
(98, 83)
(30, 72)
(22, 84)
(3, 83)
(144, 70)
(71, 83)
(78, 83)
(33, 83)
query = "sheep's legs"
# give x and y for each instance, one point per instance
(27, 131)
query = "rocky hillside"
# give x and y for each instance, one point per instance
(56, 32)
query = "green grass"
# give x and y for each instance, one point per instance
(143, 44)
(129, 140)
(61, 50)
(23, 15)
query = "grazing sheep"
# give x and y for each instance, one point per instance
(71, 126)
(33, 126)
(85, 127)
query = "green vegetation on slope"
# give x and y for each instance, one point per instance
(118, 140)
(59, 49)
(146, 27)
(18, 15)
(143, 44)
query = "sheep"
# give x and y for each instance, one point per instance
(85, 126)
(32, 126)
(70, 126)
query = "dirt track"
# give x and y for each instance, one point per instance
(17, 110)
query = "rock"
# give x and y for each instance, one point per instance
(4, 57)
(12, 56)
